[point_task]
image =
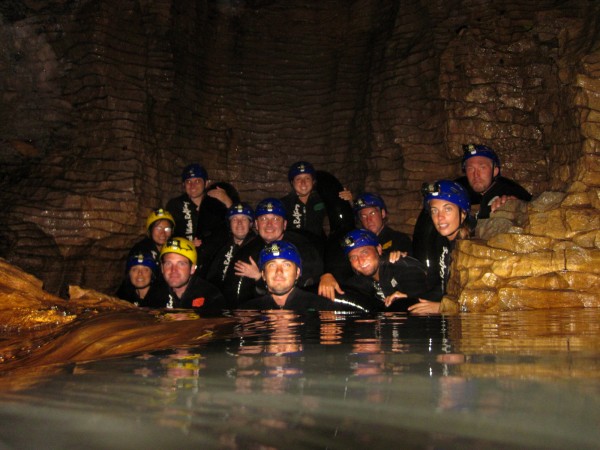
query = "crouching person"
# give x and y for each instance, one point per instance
(389, 286)
(182, 288)
(281, 266)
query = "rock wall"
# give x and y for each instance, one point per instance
(103, 102)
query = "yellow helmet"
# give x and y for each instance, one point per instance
(159, 214)
(182, 247)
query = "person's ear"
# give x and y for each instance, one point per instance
(193, 269)
(496, 171)
(379, 250)
(383, 213)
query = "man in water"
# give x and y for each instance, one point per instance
(243, 279)
(181, 289)
(390, 285)
(280, 267)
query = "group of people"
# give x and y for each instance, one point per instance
(208, 251)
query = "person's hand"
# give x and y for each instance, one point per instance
(396, 255)
(393, 297)
(220, 194)
(346, 195)
(424, 307)
(197, 242)
(249, 269)
(498, 202)
(328, 286)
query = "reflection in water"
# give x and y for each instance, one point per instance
(518, 380)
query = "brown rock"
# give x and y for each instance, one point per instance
(520, 243)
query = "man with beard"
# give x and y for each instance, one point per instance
(243, 280)
(281, 266)
(483, 182)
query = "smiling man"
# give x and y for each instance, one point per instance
(181, 288)
(392, 286)
(243, 280)
(281, 266)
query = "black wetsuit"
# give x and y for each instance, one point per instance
(337, 264)
(207, 223)
(500, 186)
(216, 271)
(200, 295)
(129, 293)
(408, 275)
(308, 217)
(298, 301)
(238, 290)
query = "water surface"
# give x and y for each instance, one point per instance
(512, 380)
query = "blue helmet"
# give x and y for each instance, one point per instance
(194, 171)
(447, 190)
(471, 150)
(359, 238)
(270, 206)
(300, 167)
(240, 209)
(279, 250)
(142, 259)
(368, 200)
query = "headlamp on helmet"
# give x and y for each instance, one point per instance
(446, 190)
(194, 171)
(159, 214)
(359, 238)
(279, 250)
(270, 206)
(182, 247)
(240, 209)
(368, 200)
(299, 168)
(471, 150)
(142, 259)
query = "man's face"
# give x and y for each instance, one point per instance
(303, 184)
(240, 226)
(161, 231)
(480, 173)
(372, 219)
(365, 260)
(446, 217)
(194, 187)
(140, 276)
(280, 275)
(270, 227)
(177, 270)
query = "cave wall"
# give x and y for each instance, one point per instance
(103, 102)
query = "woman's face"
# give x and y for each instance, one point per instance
(446, 217)
(161, 231)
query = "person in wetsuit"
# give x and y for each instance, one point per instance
(449, 207)
(281, 266)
